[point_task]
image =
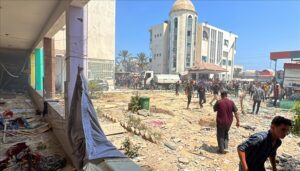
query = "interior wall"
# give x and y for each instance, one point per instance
(16, 62)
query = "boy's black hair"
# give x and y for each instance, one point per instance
(278, 120)
(224, 94)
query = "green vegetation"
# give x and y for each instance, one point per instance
(94, 87)
(296, 122)
(135, 103)
(131, 150)
(136, 123)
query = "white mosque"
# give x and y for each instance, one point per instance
(180, 43)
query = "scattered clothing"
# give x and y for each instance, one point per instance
(51, 163)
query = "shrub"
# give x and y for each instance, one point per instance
(135, 103)
(136, 123)
(296, 122)
(131, 150)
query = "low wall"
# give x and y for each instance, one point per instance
(56, 119)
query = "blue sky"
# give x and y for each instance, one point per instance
(263, 26)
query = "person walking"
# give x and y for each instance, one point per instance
(177, 88)
(236, 89)
(242, 96)
(189, 93)
(215, 89)
(276, 94)
(263, 145)
(258, 96)
(224, 108)
(201, 92)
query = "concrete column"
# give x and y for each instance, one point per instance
(49, 60)
(76, 26)
(32, 70)
(39, 68)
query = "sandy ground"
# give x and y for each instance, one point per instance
(191, 132)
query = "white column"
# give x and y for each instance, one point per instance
(76, 53)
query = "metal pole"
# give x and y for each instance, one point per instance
(275, 70)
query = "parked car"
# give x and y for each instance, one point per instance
(99, 85)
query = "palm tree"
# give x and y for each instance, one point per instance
(142, 60)
(124, 55)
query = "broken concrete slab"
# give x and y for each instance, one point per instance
(183, 160)
(112, 129)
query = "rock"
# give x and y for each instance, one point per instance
(180, 166)
(206, 128)
(176, 140)
(170, 146)
(132, 129)
(286, 155)
(152, 139)
(202, 158)
(226, 161)
(147, 136)
(183, 160)
(137, 132)
(144, 112)
(248, 126)
(142, 133)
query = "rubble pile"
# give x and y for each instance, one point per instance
(26, 140)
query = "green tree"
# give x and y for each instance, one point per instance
(124, 55)
(142, 60)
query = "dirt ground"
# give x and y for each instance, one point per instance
(190, 133)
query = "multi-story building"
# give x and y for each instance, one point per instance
(217, 47)
(159, 39)
(100, 43)
(181, 42)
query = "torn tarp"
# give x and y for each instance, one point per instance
(84, 132)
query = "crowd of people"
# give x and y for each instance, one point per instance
(258, 147)
(129, 81)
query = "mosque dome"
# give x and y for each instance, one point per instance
(183, 5)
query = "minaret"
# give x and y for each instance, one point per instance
(183, 21)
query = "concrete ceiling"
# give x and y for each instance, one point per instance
(21, 21)
(24, 23)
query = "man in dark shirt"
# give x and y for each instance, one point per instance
(236, 89)
(215, 89)
(189, 92)
(258, 95)
(224, 108)
(177, 88)
(254, 152)
(201, 92)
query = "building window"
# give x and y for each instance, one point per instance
(224, 62)
(204, 59)
(205, 35)
(226, 42)
(189, 41)
(225, 54)
(213, 43)
(189, 33)
(175, 43)
(229, 62)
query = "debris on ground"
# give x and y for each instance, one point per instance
(20, 149)
(182, 130)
